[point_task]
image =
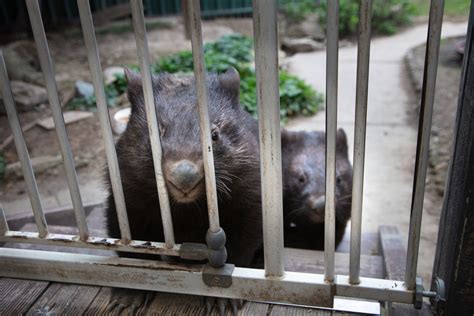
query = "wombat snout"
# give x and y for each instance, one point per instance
(316, 207)
(185, 175)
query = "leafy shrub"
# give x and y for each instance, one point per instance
(296, 96)
(298, 10)
(387, 15)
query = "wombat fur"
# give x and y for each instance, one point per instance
(304, 161)
(236, 158)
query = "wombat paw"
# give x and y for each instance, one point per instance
(222, 305)
(130, 300)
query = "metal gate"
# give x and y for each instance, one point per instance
(217, 278)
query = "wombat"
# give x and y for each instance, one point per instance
(236, 158)
(304, 161)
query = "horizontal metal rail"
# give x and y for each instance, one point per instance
(153, 129)
(46, 64)
(102, 243)
(249, 284)
(22, 150)
(112, 162)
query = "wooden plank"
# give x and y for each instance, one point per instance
(393, 251)
(16, 296)
(64, 299)
(171, 304)
(300, 260)
(394, 257)
(281, 310)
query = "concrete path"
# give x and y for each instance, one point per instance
(391, 136)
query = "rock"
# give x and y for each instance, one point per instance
(309, 27)
(41, 164)
(301, 45)
(22, 62)
(111, 72)
(84, 89)
(69, 117)
(27, 96)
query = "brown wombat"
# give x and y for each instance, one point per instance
(236, 159)
(304, 161)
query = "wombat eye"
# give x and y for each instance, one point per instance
(215, 135)
(302, 178)
(338, 180)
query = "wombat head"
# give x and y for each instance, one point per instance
(177, 113)
(304, 177)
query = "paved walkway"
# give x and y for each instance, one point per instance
(391, 136)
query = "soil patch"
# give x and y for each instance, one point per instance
(444, 113)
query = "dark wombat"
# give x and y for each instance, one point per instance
(304, 161)
(236, 159)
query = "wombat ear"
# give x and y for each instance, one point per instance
(341, 142)
(134, 87)
(230, 82)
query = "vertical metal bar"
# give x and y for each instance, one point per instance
(363, 57)
(194, 16)
(424, 130)
(22, 150)
(48, 73)
(144, 59)
(3, 222)
(268, 100)
(332, 54)
(112, 162)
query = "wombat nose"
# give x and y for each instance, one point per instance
(185, 176)
(317, 203)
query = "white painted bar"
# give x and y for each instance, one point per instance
(3, 220)
(22, 150)
(100, 243)
(424, 131)
(194, 15)
(268, 101)
(250, 284)
(374, 289)
(332, 56)
(64, 146)
(144, 59)
(98, 81)
(363, 58)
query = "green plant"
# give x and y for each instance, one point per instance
(296, 96)
(387, 15)
(235, 50)
(298, 10)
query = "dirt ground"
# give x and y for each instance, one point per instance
(70, 60)
(444, 114)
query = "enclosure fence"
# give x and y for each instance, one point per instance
(215, 279)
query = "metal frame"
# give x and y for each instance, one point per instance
(271, 284)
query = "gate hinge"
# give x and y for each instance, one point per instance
(437, 296)
(218, 277)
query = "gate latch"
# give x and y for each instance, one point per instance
(437, 297)
(218, 277)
